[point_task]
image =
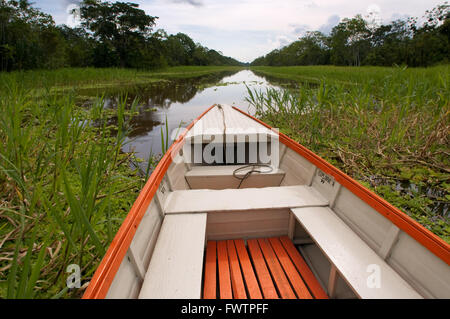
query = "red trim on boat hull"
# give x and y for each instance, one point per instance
(104, 275)
(431, 241)
(106, 271)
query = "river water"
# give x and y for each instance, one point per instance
(181, 101)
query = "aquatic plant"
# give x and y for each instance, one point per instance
(371, 122)
(59, 180)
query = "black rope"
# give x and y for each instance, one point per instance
(253, 170)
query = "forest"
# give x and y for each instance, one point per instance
(111, 34)
(361, 41)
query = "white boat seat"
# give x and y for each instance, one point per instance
(225, 119)
(205, 200)
(221, 177)
(175, 270)
(351, 256)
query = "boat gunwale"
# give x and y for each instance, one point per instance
(108, 267)
(429, 240)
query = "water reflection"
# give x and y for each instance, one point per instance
(181, 101)
(288, 83)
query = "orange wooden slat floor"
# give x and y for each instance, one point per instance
(268, 268)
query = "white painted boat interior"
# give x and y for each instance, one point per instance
(343, 240)
(352, 256)
(180, 243)
(187, 201)
(221, 177)
(223, 119)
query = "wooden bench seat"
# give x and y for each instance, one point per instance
(354, 260)
(185, 201)
(268, 268)
(221, 177)
(175, 270)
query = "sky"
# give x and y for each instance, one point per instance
(247, 29)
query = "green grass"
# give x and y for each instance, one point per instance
(59, 180)
(355, 75)
(382, 126)
(65, 185)
(84, 78)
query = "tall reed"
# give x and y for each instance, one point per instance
(391, 124)
(61, 169)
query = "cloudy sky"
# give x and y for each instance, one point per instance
(247, 29)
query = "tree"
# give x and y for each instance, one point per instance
(349, 41)
(356, 42)
(119, 27)
(79, 46)
(180, 49)
(28, 37)
(313, 49)
(390, 44)
(431, 41)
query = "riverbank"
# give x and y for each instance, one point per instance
(65, 184)
(85, 78)
(386, 127)
(356, 75)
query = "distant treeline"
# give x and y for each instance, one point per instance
(111, 34)
(357, 41)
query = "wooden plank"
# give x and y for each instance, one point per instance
(108, 269)
(210, 278)
(224, 271)
(296, 281)
(250, 279)
(265, 281)
(176, 267)
(302, 267)
(249, 224)
(228, 170)
(276, 270)
(356, 262)
(237, 283)
(408, 225)
(206, 200)
(236, 124)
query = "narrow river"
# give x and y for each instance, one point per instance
(181, 101)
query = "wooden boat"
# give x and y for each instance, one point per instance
(295, 228)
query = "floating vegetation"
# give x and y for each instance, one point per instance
(62, 169)
(392, 123)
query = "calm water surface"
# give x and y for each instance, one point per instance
(181, 101)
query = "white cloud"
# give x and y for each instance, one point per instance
(332, 21)
(73, 18)
(246, 29)
(373, 15)
(300, 29)
(195, 3)
(398, 16)
(279, 41)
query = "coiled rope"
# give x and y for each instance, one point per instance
(254, 169)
